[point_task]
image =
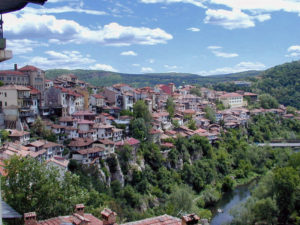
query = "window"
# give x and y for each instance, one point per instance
(5, 95)
(5, 103)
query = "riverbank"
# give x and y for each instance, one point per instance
(229, 200)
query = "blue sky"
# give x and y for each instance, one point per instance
(143, 36)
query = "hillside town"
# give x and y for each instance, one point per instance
(79, 122)
(88, 120)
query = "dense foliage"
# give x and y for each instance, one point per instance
(276, 200)
(283, 83)
(191, 178)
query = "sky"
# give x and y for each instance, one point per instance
(202, 37)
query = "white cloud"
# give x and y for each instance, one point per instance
(23, 46)
(151, 61)
(214, 47)
(64, 59)
(233, 19)
(32, 26)
(129, 53)
(198, 3)
(243, 66)
(136, 65)
(103, 67)
(216, 50)
(193, 29)
(147, 70)
(261, 5)
(171, 67)
(294, 51)
(294, 48)
(63, 9)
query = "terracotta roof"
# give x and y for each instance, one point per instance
(34, 91)
(81, 142)
(231, 95)
(85, 122)
(11, 72)
(15, 87)
(59, 161)
(84, 113)
(106, 142)
(90, 150)
(74, 219)
(16, 133)
(29, 68)
(37, 143)
(98, 96)
(66, 119)
(50, 144)
(129, 141)
(159, 220)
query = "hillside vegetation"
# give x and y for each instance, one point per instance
(282, 82)
(104, 78)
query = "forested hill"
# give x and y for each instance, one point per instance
(105, 78)
(282, 82)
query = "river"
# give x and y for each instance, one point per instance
(230, 200)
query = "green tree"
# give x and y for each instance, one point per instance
(140, 129)
(4, 135)
(267, 101)
(192, 125)
(210, 114)
(140, 110)
(195, 91)
(32, 186)
(286, 181)
(170, 107)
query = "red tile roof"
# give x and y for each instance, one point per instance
(81, 142)
(159, 220)
(11, 72)
(29, 68)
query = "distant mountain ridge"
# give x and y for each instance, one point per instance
(106, 78)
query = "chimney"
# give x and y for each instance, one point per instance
(109, 217)
(190, 219)
(16, 67)
(79, 209)
(30, 218)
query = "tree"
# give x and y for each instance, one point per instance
(38, 129)
(195, 91)
(210, 114)
(32, 186)
(140, 110)
(286, 181)
(140, 130)
(192, 125)
(170, 107)
(4, 135)
(267, 101)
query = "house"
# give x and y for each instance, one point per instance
(16, 97)
(134, 143)
(232, 100)
(52, 149)
(21, 136)
(80, 143)
(96, 102)
(10, 149)
(107, 144)
(79, 217)
(89, 155)
(26, 76)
